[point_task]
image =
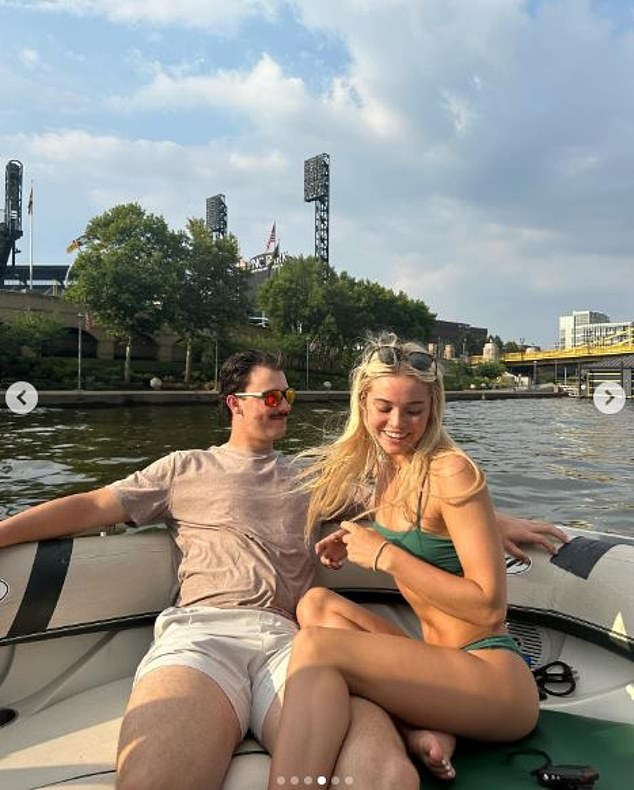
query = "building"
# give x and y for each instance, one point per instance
(464, 338)
(48, 278)
(588, 327)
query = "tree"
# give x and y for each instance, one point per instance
(489, 370)
(334, 310)
(497, 340)
(210, 291)
(396, 312)
(125, 271)
(471, 344)
(295, 298)
(27, 330)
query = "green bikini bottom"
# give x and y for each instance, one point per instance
(499, 642)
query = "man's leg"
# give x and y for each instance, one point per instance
(179, 731)
(373, 754)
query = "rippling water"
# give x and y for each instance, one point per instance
(555, 459)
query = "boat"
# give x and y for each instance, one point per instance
(76, 617)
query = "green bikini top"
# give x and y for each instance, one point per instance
(437, 550)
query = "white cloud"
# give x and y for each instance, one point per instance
(264, 90)
(29, 58)
(78, 175)
(215, 15)
(481, 157)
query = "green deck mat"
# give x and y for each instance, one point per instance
(606, 745)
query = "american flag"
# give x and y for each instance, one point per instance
(272, 238)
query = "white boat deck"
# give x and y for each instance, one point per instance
(78, 736)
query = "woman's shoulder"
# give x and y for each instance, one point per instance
(453, 471)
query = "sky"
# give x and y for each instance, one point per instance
(482, 151)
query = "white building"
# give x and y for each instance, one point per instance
(588, 327)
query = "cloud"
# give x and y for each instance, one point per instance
(29, 58)
(219, 16)
(78, 175)
(262, 90)
(481, 154)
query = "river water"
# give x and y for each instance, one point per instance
(558, 459)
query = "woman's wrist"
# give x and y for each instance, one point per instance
(379, 552)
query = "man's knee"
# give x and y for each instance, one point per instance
(134, 778)
(398, 771)
(374, 753)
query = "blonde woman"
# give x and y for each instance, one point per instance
(434, 531)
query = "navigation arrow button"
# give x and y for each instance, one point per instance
(21, 397)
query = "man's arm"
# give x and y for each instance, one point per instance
(66, 516)
(524, 530)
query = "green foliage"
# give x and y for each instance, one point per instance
(295, 298)
(209, 291)
(333, 311)
(497, 340)
(489, 370)
(126, 270)
(458, 375)
(472, 344)
(28, 331)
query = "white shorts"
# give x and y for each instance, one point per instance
(245, 651)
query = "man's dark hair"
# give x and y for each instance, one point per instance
(235, 371)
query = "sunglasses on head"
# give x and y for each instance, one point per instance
(271, 398)
(392, 355)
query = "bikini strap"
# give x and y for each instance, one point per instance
(419, 515)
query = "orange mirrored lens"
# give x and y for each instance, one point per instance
(272, 397)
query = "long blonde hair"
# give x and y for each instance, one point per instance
(340, 471)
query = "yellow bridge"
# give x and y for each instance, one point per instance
(611, 345)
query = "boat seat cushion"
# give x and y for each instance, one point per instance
(607, 746)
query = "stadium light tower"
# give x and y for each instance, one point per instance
(317, 191)
(11, 225)
(217, 216)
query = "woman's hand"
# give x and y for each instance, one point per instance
(331, 550)
(362, 543)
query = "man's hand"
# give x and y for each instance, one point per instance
(527, 531)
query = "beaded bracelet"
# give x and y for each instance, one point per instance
(379, 551)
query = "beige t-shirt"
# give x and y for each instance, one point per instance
(237, 519)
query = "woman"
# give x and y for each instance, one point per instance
(434, 531)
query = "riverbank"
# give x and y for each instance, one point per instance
(101, 398)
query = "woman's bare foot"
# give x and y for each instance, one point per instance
(434, 749)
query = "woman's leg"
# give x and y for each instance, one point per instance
(323, 607)
(486, 694)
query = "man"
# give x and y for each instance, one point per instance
(218, 662)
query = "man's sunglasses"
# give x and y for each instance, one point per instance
(392, 355)
(271, 398)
